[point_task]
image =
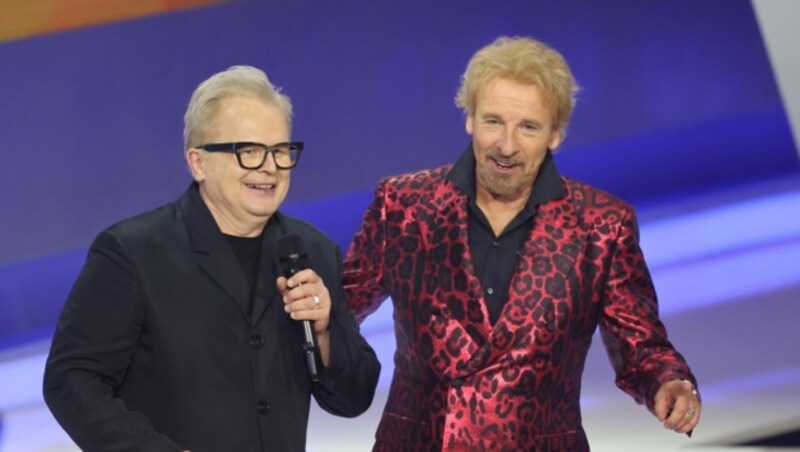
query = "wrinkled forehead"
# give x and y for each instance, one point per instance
(545, 98)
(215, 106)
(237, 111)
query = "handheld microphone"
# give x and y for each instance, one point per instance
(293, 258)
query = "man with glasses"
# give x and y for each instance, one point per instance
(181, 332)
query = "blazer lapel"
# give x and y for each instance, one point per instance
(269, 269)
(546, 260)
(213, 254)
(448, 244)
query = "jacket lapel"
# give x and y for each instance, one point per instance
(556, 237)
(448, 244)
(213, 254)
(546, 260)
(269, 269)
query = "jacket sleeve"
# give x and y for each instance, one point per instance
(364, 285)
(96, 336)
(347, 385)
(635, 338)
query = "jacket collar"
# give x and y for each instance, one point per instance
(555, 214)
(547, 185)
(217, 260)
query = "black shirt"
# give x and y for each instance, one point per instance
(495, 257)
(248, 252)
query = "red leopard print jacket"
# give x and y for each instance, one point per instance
(461, 383)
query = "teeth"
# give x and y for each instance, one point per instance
(261, 187)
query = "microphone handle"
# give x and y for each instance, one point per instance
(311, 350)
(293, 258)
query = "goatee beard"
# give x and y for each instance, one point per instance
(497, 184)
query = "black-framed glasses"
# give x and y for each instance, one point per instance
(252, 155)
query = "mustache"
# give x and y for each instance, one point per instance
(497, 155)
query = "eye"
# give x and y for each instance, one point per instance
(250, 150)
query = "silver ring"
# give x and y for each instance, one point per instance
(690, 411)
(317, 303)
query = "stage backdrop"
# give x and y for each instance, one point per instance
(678, 99)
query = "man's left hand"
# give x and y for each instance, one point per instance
(306, 297)
(677, 406)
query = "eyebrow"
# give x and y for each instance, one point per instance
(533, 122)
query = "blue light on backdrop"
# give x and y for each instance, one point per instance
(679, 105)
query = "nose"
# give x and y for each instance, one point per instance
(508, 145)
(269, 164)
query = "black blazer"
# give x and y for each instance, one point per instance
(155, 349)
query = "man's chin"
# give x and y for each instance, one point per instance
(502, 187)
(263, 212)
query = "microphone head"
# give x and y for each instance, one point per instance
(289, 244)
(291, 254)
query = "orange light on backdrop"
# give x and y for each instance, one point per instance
(25, 18)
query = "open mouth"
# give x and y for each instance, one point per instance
(507, 166)
(261, 187)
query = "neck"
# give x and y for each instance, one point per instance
(230, 225)
(500, 210)
(237, 228)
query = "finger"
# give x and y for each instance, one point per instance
(316, 302)
(281, 284)
(661, 405)
(693, 407)
(306, 298)
(302, 292)
(691, 421)
(299, 308)
(678, 415)
(305, 309)
(306, 303)
(684, 421)
(305, 276)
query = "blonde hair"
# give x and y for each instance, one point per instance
(524, 60)
(244, 81)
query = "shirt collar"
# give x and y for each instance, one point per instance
(546, 187)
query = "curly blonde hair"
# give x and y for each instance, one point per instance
(524, 60)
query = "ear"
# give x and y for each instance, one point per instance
(470, 125)
(194, 160)
(556, 137)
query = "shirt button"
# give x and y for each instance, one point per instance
(495, 244)
(256, 341)
(490, 291)
(263, 407)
